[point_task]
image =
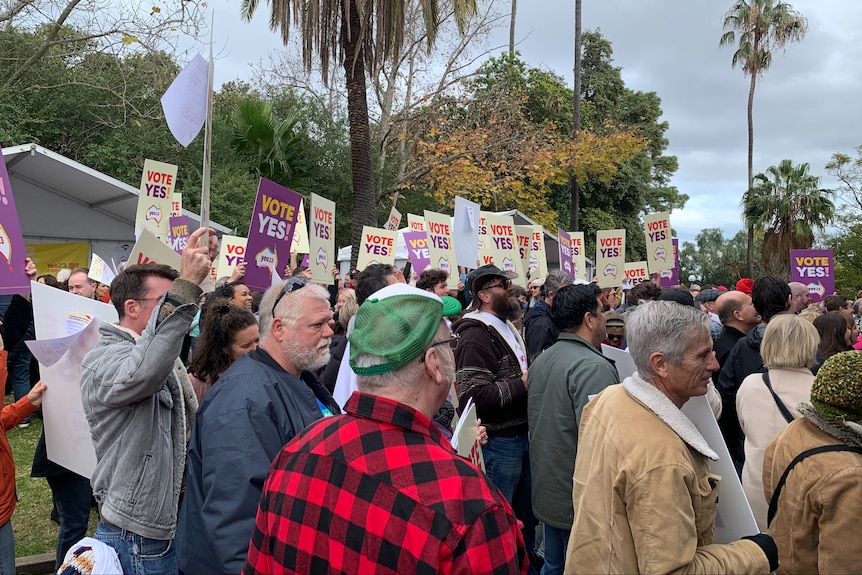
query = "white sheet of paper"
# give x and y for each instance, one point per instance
(185, 102)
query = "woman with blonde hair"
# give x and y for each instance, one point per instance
(766, 402)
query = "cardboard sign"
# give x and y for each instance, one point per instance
(393, 221)
(270, 235)
(498, 244)
(300, 233)
(659, 246)
(232, 253)
(636, 273)
(415, 223)
(537, 262)
(176, 204)
(57, 315)
(816, 269)
(465, 231)
(670, 278)
(100, 271)
(522, 238)
(610, 257)
(565, 243)
(13, 278)
(417, 251)
(438, 228)
(158, 181)
(579, 257)
(179, 233)
(150, 249)
(377, 247)
(322, 240)
(465, 438)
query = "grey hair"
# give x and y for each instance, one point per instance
(403, 378)
(290, 307)
(664, 327)
(555, 280)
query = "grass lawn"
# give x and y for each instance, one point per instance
(34, 531)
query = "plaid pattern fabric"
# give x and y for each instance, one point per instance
(380, 490)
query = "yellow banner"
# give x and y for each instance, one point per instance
(51, 258)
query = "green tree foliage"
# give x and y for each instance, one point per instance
(846, 246)
(714, 259)
(848, 170)
(757, 28)
(642, 184)
(788, 204)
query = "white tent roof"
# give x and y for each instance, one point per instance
(60, 200)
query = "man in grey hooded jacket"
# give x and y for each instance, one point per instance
(139, 405)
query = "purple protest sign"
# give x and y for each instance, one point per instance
(670, 278)
(565, 241)
(276, 211)
(13, 278)
(417, 250)
(816, 269)
(179, 233)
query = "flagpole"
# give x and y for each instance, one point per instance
(205, 180)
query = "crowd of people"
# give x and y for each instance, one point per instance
(309, 429)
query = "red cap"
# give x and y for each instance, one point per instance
(744, 285)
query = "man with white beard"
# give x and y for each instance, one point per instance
(259, 404)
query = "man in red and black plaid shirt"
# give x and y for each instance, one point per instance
(380, 490)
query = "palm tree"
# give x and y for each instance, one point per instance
(757, 28)
(574, 187)
(275, 146)
(358, 33)
(788, 204)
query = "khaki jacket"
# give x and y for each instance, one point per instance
(817, 527)
(644, 497)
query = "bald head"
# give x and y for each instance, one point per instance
(799, 298)
(734, 309)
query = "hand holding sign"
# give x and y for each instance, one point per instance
(195, 264)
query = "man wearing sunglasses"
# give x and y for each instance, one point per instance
(492, 369)
(380, 489)
(260, 403)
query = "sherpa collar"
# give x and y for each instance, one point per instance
(849, 432)
(658, 403)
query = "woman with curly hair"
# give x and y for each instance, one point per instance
(227, 332)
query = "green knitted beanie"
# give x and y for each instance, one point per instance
(837, 389)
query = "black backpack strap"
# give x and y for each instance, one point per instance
(773, 503)
(781, 407)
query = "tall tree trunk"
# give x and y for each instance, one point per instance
(749, 260)
(512, 28)
(575, 189)
(364, 204)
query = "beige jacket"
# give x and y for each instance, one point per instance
(644, 497)
(762, 422)
(817, 527)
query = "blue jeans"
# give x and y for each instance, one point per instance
(507, 464)
(7, 549)
(72, 496)
(139, 555)
(556, 541)
(18, 364)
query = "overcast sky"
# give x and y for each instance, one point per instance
(807, 105)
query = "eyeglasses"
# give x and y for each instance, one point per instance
(147, 298)
(453, 343)
(289, 286)
(504, 284)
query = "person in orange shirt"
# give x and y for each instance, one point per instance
(10, 416)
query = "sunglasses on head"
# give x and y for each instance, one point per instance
(289, 286)
(504, 284)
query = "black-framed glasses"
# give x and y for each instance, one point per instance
(140, 299)
(453, 343)
(504, 284)
(289, 286)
